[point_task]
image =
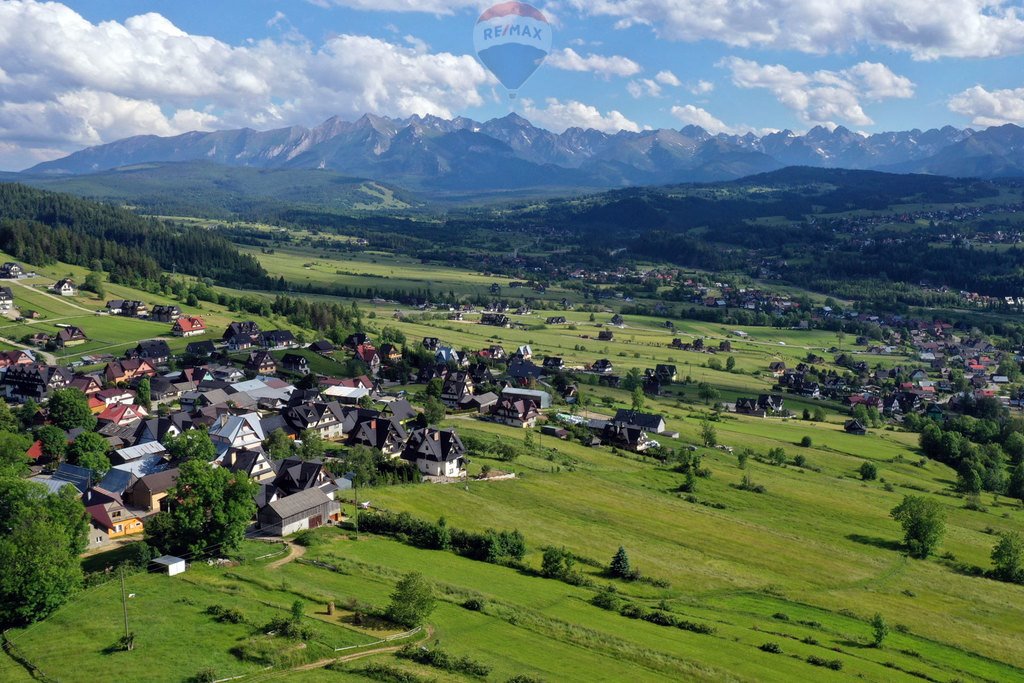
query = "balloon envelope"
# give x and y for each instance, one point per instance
(512, 39)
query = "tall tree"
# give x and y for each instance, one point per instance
(41, 536)
(211, 509)
(412, 602)
(923, 521)
(193, 444)
(619, 565)
(54, 441)
(89, 450)
(13, 452)
(1008, 557)
(312, 445)
(145, 393)
(278, 445)
(69, 408)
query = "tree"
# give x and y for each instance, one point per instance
(193, 444)
(879, 630)
(94, 283)
(620, 566)
(434, 388)
(9, 422)
(706, 392)
(819, 414)
(638, 400)
(145, 393)
(211, 509)
(557, 563)
(806, 442)
(730, 363)
(634, 379)
(391, 335)
(1016, 486)
(13, 449)
(41, 536)
(54, 441)
(412, 602)
(868, 471)
(69, 408)
(312, 445)
(89, 450)
(923, 521)
(433, 411)
(1014, 447)
(1008, 557)
(708, 434)
(278, 444)
(27, 412)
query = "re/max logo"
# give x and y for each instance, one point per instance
(511, 30)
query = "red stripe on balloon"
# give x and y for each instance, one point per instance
(512, 8)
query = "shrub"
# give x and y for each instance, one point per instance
(474, 605)
(806, 442)
(773, 648)
(781, 616)
(834, 664)
(868, 471)
(307, 538)
(799, 460)
(440, 659)
(523, 678)
(606, 598)
(207, 675)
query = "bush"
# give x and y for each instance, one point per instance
(440, 659)
(474, 605)
(607, 599)
(382, 672)
(523, 678)
(799, 460)
(834, 664)
(288, 628)
(207, 675)
(868, 471)
(307, 538)
(773, 648)
(806, 442)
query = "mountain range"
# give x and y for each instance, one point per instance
(510, 154)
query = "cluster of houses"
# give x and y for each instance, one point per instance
(240, 409)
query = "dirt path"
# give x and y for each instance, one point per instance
(295, 551)
(47, 357)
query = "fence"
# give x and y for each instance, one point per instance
(16, 654)
(391, 638)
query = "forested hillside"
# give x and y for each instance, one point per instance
(44, 227)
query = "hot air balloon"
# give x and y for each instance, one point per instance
(512, 39)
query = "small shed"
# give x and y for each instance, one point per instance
(171, 564)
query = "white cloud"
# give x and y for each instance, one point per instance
(644, 87)
(926, 29)
(990, 107)
(690, 115)
(823, 97)
(666, 77)
(67, 82)
(606, 66)
(557, 116)
(701, 87)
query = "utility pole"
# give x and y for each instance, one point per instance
(355, 505)
(124, 605)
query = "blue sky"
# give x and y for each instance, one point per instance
(79, 73)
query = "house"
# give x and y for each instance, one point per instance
(127, 370)
(666, 374)
(555, 320)
(368, 354)
(70, 336)
(618, 320)
(110, 517)
(495, 319)
(245, 328)
(200, 349)
(602, 367)
(625, 436)
(330, 420)
(605, 335)
(553, 363)
(481, 403)
(261, 362)
(387, 436)
(78, 477)
(121, 414)
(307, 509)
(165, 313)
(156, 351)
(34, 380)
(524, 352)
(355, 339)
(431, 343)
(11, 270)
(748, 406)
(114, 306)
(542, 399)
(242, 432)
(648, 421)
(240, 342)
(777, 368)
(278, 339)
(87, 384)
(516, 412)
(295, 475)
(64, 287)
(189, 326)
(436, 452)
(6, 298)
(133, 309)
(293, 362)
(456, 386)
(771, 403)
(255, 465)
(855, 427)
(322, 347)
(390, 352)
